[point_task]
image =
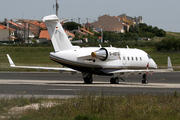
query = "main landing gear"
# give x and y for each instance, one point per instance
(87, 78)
(115, 80)
(144, 81)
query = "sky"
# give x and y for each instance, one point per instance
(161, 13)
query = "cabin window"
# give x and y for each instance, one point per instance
(128, 58)
(136, 59)
(140, 59)
(132, 58)
(124, 58)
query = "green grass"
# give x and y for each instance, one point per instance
(89, 106)
(29, 56)
(161, 57)
(39, 56)
(168, 34)
(173, 34)
(18, 101)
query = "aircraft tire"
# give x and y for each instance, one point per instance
(114, 80)
(88, 80)
(144, 81)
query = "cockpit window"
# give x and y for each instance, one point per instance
(149, 56)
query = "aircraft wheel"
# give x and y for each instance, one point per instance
(88, 80)
(114, 80)
(144, 81)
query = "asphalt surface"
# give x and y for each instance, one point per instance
(65, 85)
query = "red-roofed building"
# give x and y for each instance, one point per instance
(44, 36)
(22, 30)
(5, 33)
(36, 26)
(86, 31)
(70, 35)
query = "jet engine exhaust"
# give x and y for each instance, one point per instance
(101, 54)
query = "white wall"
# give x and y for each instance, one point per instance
(4, 34)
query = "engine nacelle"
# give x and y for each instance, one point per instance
(106, 54)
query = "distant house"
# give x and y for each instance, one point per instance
(36, 26)
(70, 35)
(6, 34)
(80, 33)
(44, 37)
(23, 30)
(109, 23)
(86, 31)
(130, 20)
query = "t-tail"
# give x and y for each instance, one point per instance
(58, 36)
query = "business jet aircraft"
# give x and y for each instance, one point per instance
(108, 61)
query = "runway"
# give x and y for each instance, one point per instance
(65, 85)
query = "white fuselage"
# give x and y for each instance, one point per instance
(118, 58)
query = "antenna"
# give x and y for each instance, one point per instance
(57, 7)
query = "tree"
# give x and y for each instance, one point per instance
(168, 44)
(91, 38)
(161, 33)
(71, 26)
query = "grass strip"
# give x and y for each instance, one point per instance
(90, 106)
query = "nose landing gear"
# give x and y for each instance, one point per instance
(144, 81)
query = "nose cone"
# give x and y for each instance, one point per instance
(152, 64)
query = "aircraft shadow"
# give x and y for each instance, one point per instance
(120, 84)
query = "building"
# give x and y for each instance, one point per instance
(109, 23)
(44, 37)
(23, 30)
(130, 20)
(69, 35)
(36, 26)
(6, 34)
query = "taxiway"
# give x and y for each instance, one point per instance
(65, 85)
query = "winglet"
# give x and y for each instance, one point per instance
(10, 61)
(169, 64)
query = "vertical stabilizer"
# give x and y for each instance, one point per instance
(58, 36)
(169, 65)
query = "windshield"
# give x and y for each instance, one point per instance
(149, 56)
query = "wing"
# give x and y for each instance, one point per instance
(41, 68)
(143, 71)
(137, 72)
